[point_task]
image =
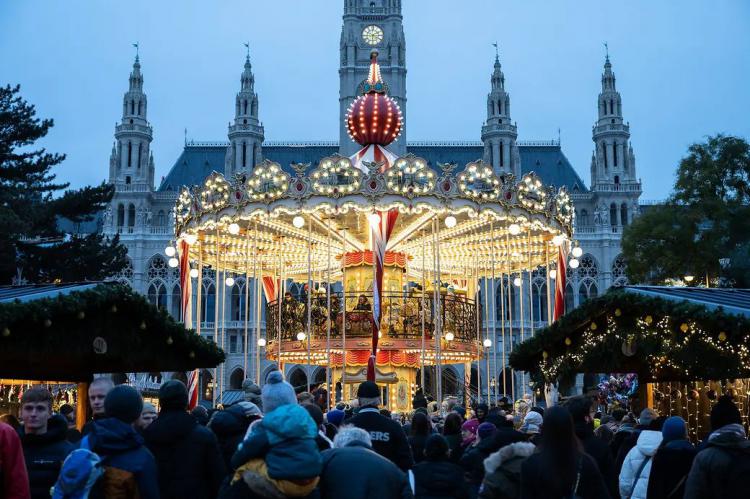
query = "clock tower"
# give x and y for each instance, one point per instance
(371, 25)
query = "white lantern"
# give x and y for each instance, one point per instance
(298, 222)
(577, 252)
(234, 229)
(194, 273)
(170, 251)
(229, 281)
(553, 274)
(450, 221)
(574, 263)
(514, 229)
(173, 262)
(449, 336)
(261, 342)
(374, 219)
(517, 282)
(487, 343)
(301, 336)
(558, 240)
(191, 239)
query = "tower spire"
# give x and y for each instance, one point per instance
(499, 134)
(246, 132)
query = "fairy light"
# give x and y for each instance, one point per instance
(170, 251)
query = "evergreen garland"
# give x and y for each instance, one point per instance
(660, 340)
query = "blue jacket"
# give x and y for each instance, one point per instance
(285, 439)
(120, 446)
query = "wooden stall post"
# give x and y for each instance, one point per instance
(82, 406)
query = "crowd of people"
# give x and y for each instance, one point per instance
(278, 444)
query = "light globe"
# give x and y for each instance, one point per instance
(450, 221)
(173, 262)
(298, 222)
(234, 229)
(170, 251)
(574, 263)
(577, 252)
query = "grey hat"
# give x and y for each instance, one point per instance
(647, 415)
(277, 392)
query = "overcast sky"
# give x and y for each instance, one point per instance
(682, 67)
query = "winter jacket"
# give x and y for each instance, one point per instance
(454, 443)
(536, 480)
(416, 442)
(473, 458)
(388, 437)
(229, 427)
(254, 486)
(121, 448)
(502, 471)
(439, 480)
(285, 439)
(722, 469)
(14, 481)
(643, 452)
(45, 454)
(187, 455)
(669, 470)
(627, 443)
(356, 471)
(599, 451)
(624, 432)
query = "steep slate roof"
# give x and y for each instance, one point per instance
(198, 160)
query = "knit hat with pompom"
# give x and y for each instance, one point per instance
(277, 392)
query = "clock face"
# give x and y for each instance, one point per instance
(372, 35)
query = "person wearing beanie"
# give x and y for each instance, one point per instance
(469, 433)
(532, 426)
(388, 437)
(335, 417)
(435, 476)
(672, 461)
(187, 454)
(721, 469)
(120, 446)
(279, 450)
(473, 458)
(148, 415)
(486, 431)
(200, 414)
(230, 427)
(252, 393)
(316, 414)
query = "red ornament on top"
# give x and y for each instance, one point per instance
(374, 118)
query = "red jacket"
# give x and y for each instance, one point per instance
(14, 482)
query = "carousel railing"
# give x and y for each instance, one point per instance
(401, 316)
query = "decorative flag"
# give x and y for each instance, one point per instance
(560, 278)
(186, 286)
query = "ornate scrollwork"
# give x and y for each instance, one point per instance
(531, 193)
(336, 177)
(267, 182)
(215, 193)
(410, 176)
(479, 182)
(564, 207)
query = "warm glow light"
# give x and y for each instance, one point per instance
(514, 229)
(450, 221)
(558, 240)
(487, 343)
(261, 342)
(173, 262)
(191, 239)
(577, 252)
(374, 219)
(689, 278)
(298, 222)
(301, 336)
(229, 281)
(552, 274)
(234, 229)
(517, 282)
(449, 336)
(574, 263)
(170, 251)
(194, 273)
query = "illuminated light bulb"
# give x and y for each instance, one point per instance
(234, 229)
(298, 222)
(449, 336)
(191, 239)
(689, 278)
(301, 336)
(194, 273)
(229, 281)
(261, 342)
(173, 262)
(170, 251)
(553, 274)
(517, 282)
(374, 219)
(487, 343)
(577, 252)
(514, 229)
(574, 263)
(558, 240)
(450, 221)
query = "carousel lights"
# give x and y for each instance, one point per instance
(261, 342)
(194, 273)
(487, 343)
(689, 278)
(173, 262)
(301, 336)
(374, 219)
(514, 229)
(234, 228)
(577, 252)
(517, 282)
(170, 251)
(574, 263)
(449, 336)
(191, 239)
(450, 221)
(558, 240)
(229, 281)
(298, 222)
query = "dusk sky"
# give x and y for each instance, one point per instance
(682, 68)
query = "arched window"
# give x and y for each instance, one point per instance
(131, 215)
(502, 153)
(140, 108)
(208, 309)
(120, 215)
(176, 305)
(539, 299)
(157, 294)
(237, 303)
(623, 214)
(604, 155)
(619, 277)
(125, 275)
(613, 214)
(252, 157)
(584, 217)
(132, 106)
(614, 154)
(617, 180)
(611, 106)
(157, 268)
(587, 290)
(244, 106)
(130, 153)
(236, 379)
(244, 154)
(140, 147)
(569, 298)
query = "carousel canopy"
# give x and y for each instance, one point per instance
(662, 334)
(69, 334)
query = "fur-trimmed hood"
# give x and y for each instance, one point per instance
(518, 449)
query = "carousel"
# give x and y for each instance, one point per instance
(392, 254)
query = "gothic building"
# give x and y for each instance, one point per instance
(141, 212)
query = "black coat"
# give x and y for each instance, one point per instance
(473, 458)
(229, 428)
(358, 472)
(187, 455)
(669, 469)
(45, 454)
(599, 451)
(721, 470)
(388, 437)
(454, 443)
(536, 480)
(439, 480)
(416, 442)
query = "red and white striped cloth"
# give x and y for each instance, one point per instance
(560, 279)
(373, 153)
(186, 287)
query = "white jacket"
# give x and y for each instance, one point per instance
(648, 442)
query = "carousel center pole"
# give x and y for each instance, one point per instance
(247, 303)
(199, 311)
(309, 297)
(330, 316)
(494, 311)
(477, 314)
(531, 301)
(280, 302)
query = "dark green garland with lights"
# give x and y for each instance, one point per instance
(105, 329)
(660, 340)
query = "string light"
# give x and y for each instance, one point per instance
(574, 263)
(298, 222)
(450, 221)
(194, 273)
(514, 229)
(577, 252)
(190, 239)
(487, 343)
(229, 281)
(301, 336)
(261, 342)
(234, 228)
(449, 336)
(173, 262)
(170, 251)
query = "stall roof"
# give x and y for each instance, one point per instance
(735, 301)
(29, 292)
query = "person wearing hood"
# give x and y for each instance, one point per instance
(452, 434)
(581, 409)
(435, 477)
(482, 410)
(419, 431)
(230, 426)
(502, 471)
(252, 393)
(645, 420)
(532, 426)
(130, 469)
(636, 468)
(722, 468)
(187, 454)
(672, 461)
(44, 440)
